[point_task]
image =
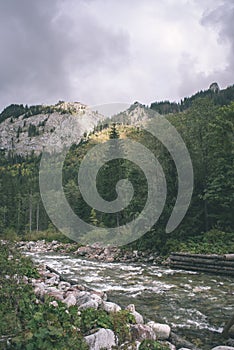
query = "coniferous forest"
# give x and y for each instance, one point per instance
(206, 123)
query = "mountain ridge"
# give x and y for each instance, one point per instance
(24, 129)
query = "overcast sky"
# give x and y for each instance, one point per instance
(103, 51)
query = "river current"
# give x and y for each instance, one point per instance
(195, 305)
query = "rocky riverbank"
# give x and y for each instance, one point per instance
(92, 252)
(51, 284)
(142, 334)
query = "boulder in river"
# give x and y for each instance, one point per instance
(103, 339)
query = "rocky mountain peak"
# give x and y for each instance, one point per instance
(26, 129)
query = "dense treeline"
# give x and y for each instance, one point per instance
(14, 111)
(207, 130)
(219, 98)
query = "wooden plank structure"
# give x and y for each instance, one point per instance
(221, 264)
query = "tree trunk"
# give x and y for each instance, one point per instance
(30, 213)
(206, 216)
(38, 214)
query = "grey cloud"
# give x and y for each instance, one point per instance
(43, 49)
(221, 19)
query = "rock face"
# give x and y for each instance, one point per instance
(103, 339)
(214, 87)
(25, 134)
(136, 114)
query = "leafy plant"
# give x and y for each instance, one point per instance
(152, 345)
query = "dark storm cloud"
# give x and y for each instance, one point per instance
(43, 50)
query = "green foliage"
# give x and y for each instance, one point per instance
(220, 98)
(32, 130)
(92, 319)
(51, 327)
(13, 110)
(207, 131)
(212, 242)
(114, 132)
(120, 324)
(32, 324)
(153, 345)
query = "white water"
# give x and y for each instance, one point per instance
(190, 302)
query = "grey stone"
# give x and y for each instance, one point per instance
(141, 332)
(90, 304)
(138, 317)
(161, 330)
(223, 347)
(54, 292)
(103, 339)
(82, 298)
(70, 300)
(110, 307)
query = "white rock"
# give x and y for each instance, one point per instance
(110, 307)
(70, 300)
(96, 298)
(64, 285)
(141, 332)
(138, 317)
(103, 339)
(223, 347)
(90, 304)
(82, 298)
(169, 345)
(54, 303)
(39, 289)
(131, 308)
(54, 292)
(52, 281)
(161, 330)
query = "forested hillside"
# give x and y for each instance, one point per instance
(219, 98)
(207, 130)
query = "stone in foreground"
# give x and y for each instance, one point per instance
(103, 339)
(162, 331)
